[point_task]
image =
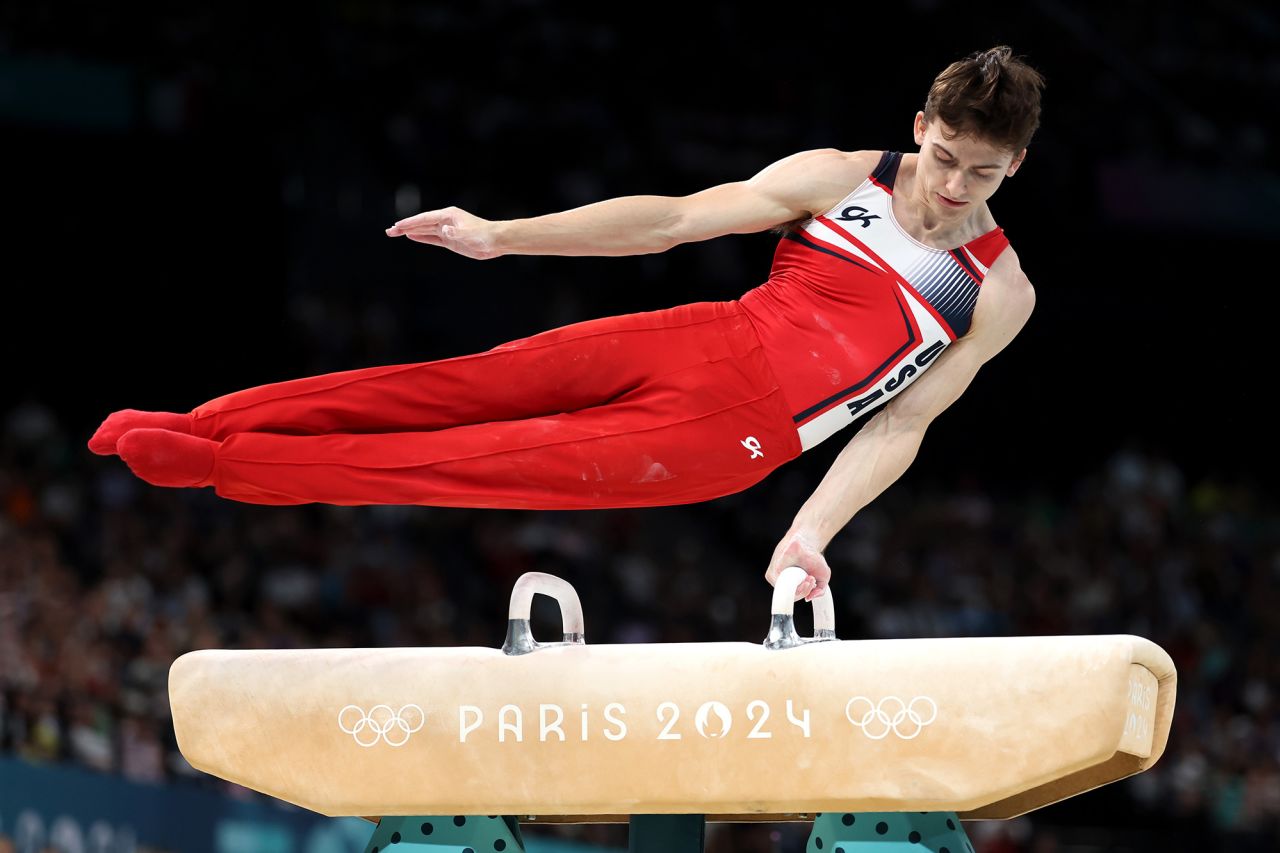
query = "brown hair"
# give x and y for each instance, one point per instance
(990, 94)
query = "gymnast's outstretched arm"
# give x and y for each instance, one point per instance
(641, 224)
(882, 450)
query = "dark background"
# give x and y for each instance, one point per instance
(194, 201)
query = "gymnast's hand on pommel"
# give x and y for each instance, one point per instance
(801, 548)
(454, 229)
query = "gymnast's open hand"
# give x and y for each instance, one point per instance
(452, 228)
(800, 548)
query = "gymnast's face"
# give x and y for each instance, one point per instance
(956, 175)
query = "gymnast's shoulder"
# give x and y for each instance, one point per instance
(820, 177)
(1005, 302)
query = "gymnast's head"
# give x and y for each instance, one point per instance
(973, 132)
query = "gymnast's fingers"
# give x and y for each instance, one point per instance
(428, 222)
(429, 217)
(819, 589)
(409, 231)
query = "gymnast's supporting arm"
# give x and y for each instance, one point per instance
(641, 224)
(883, 449)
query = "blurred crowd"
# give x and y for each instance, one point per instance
(105, 580)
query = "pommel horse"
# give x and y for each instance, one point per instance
(879, 742)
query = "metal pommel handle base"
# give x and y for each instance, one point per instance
(782, 626)
(520, 639)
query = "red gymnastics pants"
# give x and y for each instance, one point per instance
(649, 409)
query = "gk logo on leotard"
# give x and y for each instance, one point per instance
(860, 216)
(753, 444)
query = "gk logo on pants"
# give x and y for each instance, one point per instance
(753, 444)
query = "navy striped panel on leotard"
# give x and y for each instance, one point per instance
(948, 285)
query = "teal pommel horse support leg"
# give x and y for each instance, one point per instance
(451, 833)
(866, 832)
(452, 749)
(888, 832)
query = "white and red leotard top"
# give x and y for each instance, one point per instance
(855, 308)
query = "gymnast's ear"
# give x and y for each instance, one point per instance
(920, 127)
(1017, 162)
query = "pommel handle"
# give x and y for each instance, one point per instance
(520, 639)
(782, 626)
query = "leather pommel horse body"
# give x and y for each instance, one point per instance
(987, 727)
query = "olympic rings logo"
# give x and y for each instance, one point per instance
(877, 716)
(381, 723)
